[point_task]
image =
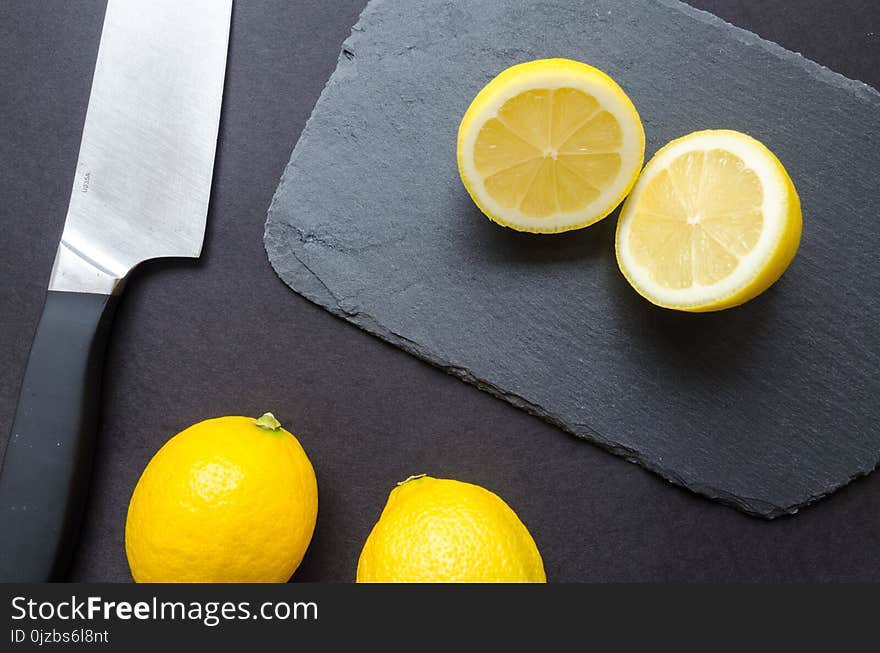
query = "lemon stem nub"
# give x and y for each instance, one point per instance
(411, 478)
(268, 422)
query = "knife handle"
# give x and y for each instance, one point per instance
(45, 473)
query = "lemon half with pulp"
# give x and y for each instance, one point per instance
(713, 221)
(550, 145)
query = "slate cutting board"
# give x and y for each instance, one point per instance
(766, 407)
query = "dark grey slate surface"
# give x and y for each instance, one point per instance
(766, 407)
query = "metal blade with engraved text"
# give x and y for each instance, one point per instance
(143, 177)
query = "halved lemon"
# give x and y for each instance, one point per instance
(549, 146)
(713, 221)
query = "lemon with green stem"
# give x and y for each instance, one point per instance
(232, 499)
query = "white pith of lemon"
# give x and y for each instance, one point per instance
(713, 221)
(550, 145)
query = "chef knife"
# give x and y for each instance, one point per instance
(140, 191)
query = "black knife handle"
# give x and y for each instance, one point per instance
(45, 473)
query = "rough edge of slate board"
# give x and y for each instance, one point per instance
(310, 285)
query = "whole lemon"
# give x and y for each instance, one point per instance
(232, 499)
(441, 530)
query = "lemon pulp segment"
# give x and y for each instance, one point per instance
(548, 151)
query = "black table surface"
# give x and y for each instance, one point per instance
(223, 335)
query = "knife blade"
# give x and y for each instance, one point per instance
(140, 191)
